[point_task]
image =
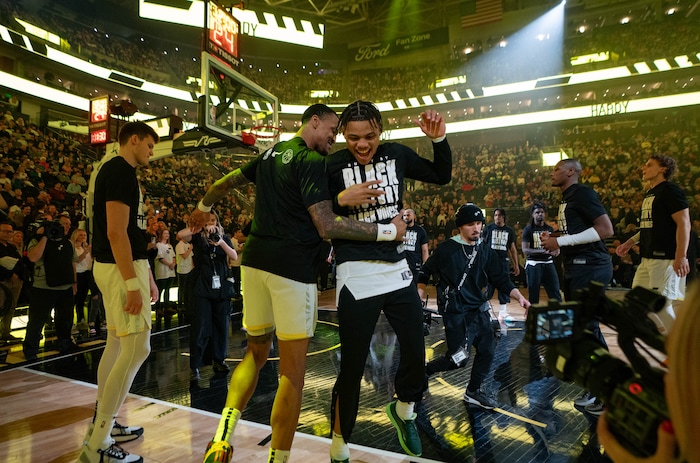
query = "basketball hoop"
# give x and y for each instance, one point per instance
(262, 136)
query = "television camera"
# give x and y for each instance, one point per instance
(53, 229)
(633, 392)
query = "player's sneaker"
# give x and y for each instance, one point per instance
(112, 454)
(218, 452)
(407, 431)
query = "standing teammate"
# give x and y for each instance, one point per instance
(127, 286)
(293, 213)
(415, 244)
(375, 277)
(663, 237)
(584, 224)
(539, 264)
(501, 238)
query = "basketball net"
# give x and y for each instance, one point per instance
(262, 136)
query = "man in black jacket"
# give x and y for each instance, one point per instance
(464, 266)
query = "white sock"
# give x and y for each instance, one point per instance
(227, 423)
(404, 410)
(339, 448)
(278, 456)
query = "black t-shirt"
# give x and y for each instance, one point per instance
(283, 239)
(499, 238)
(416, 237)
(116, 181)
(657, 227)
(579, 207)
(391, 164)
(532, 234)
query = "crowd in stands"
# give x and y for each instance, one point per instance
(488, 63)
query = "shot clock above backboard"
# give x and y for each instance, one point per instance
(221, 34)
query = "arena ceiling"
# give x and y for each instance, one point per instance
(348, 21)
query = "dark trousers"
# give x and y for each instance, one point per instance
(185, 295)
(542, 275)
(85, 282)
(579, 277)
(467, 329)
(209, 331)
(164, 286)
(502, 298)
(40, 304)
(357, 320)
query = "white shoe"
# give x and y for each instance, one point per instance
(112, 454)
(120, 433)
(584, 399)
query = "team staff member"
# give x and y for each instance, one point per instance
(464, 267)
(375, 277)
(127, 285)
(293, 213)
(663, 237)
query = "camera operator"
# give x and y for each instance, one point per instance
(466, 267)
(54, 285)
(681, 392)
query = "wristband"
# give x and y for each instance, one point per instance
(589, 235)
(202, 207)
(386, 232)
(438, 140)
(132, 284)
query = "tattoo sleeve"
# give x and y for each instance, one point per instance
(330, 225)
(224, 186)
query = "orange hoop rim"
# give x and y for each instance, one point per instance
(264, 131)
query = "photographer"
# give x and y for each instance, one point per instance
(212, 295)
(54, 285)
(681, 391)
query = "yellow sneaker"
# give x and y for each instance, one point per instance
(218, 452)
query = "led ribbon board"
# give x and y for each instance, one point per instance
(262, 25)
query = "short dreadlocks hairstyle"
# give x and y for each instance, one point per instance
(360, 111)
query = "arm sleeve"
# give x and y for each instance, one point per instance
(438, 171)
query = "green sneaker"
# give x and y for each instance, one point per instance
(218, 452)
(407, 432)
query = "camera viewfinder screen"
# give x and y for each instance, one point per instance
(555, 324)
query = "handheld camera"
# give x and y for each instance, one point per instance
(633, 392)
(53, 229)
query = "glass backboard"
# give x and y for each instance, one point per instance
(231, 102)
